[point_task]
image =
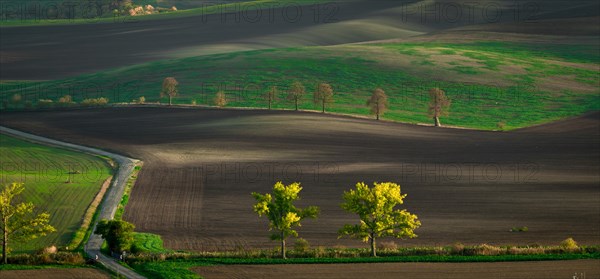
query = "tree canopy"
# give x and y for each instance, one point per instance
(323, 95)
(18, 222)
(169, 88)
(271, 95)
(283, 216)
(220, 99)
(438, 104)
(378, 102)
(296, 92)
(117, 233)
(376, 209)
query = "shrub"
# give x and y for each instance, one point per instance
(24, 259)
(457, 248)
(193, 102)
(94, 102)
(45, 103)
(65, 101)
(319, 252)
(69, 258)
(501, 125)
(141, 100)
(569, 245)
(48, 250)
(16, 98)
(301, 245)
(519, 229)
(591, 249)
(388, 245)
(487, 250)
(220, 99)
(526, 250)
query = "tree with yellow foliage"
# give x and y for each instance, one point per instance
(18, 222)
(378, 217)
(281, 212)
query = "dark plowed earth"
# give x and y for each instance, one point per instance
(546, 270)
(466, 186)
(58, 51)
(51, 273)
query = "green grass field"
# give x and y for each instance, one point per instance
(489, 83)
(45, 172)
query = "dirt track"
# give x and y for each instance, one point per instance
(521, 270)
(467, 186)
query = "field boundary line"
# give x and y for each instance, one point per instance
(110, 201)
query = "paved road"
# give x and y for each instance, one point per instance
(111, 199)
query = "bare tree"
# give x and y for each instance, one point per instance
(220, 99)
(296, 92)
(169, 88)
(323, 95)
(378, 102)
(438, 105)
(271, 95)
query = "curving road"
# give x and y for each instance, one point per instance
(111, 198)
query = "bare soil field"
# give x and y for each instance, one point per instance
(55, 273)
(33, 52)
(546, 270)
(200, 166)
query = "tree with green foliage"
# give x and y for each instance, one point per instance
(281, 212)
(169, 88)
(378, 102)
(117, 233)
(438, 105)
(323, 95)
(271, 95)
(378, 217)
(296, 92)
(19, 223)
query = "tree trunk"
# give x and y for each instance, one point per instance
(170, 97)
(282, 246)
(4, 243)
(323, 107)
(437, 121)
(373, 252)
(378, 116)
(269, 104)
(296, 104)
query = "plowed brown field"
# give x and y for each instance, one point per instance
(547, 270)
(466, 186)
(55, 273)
